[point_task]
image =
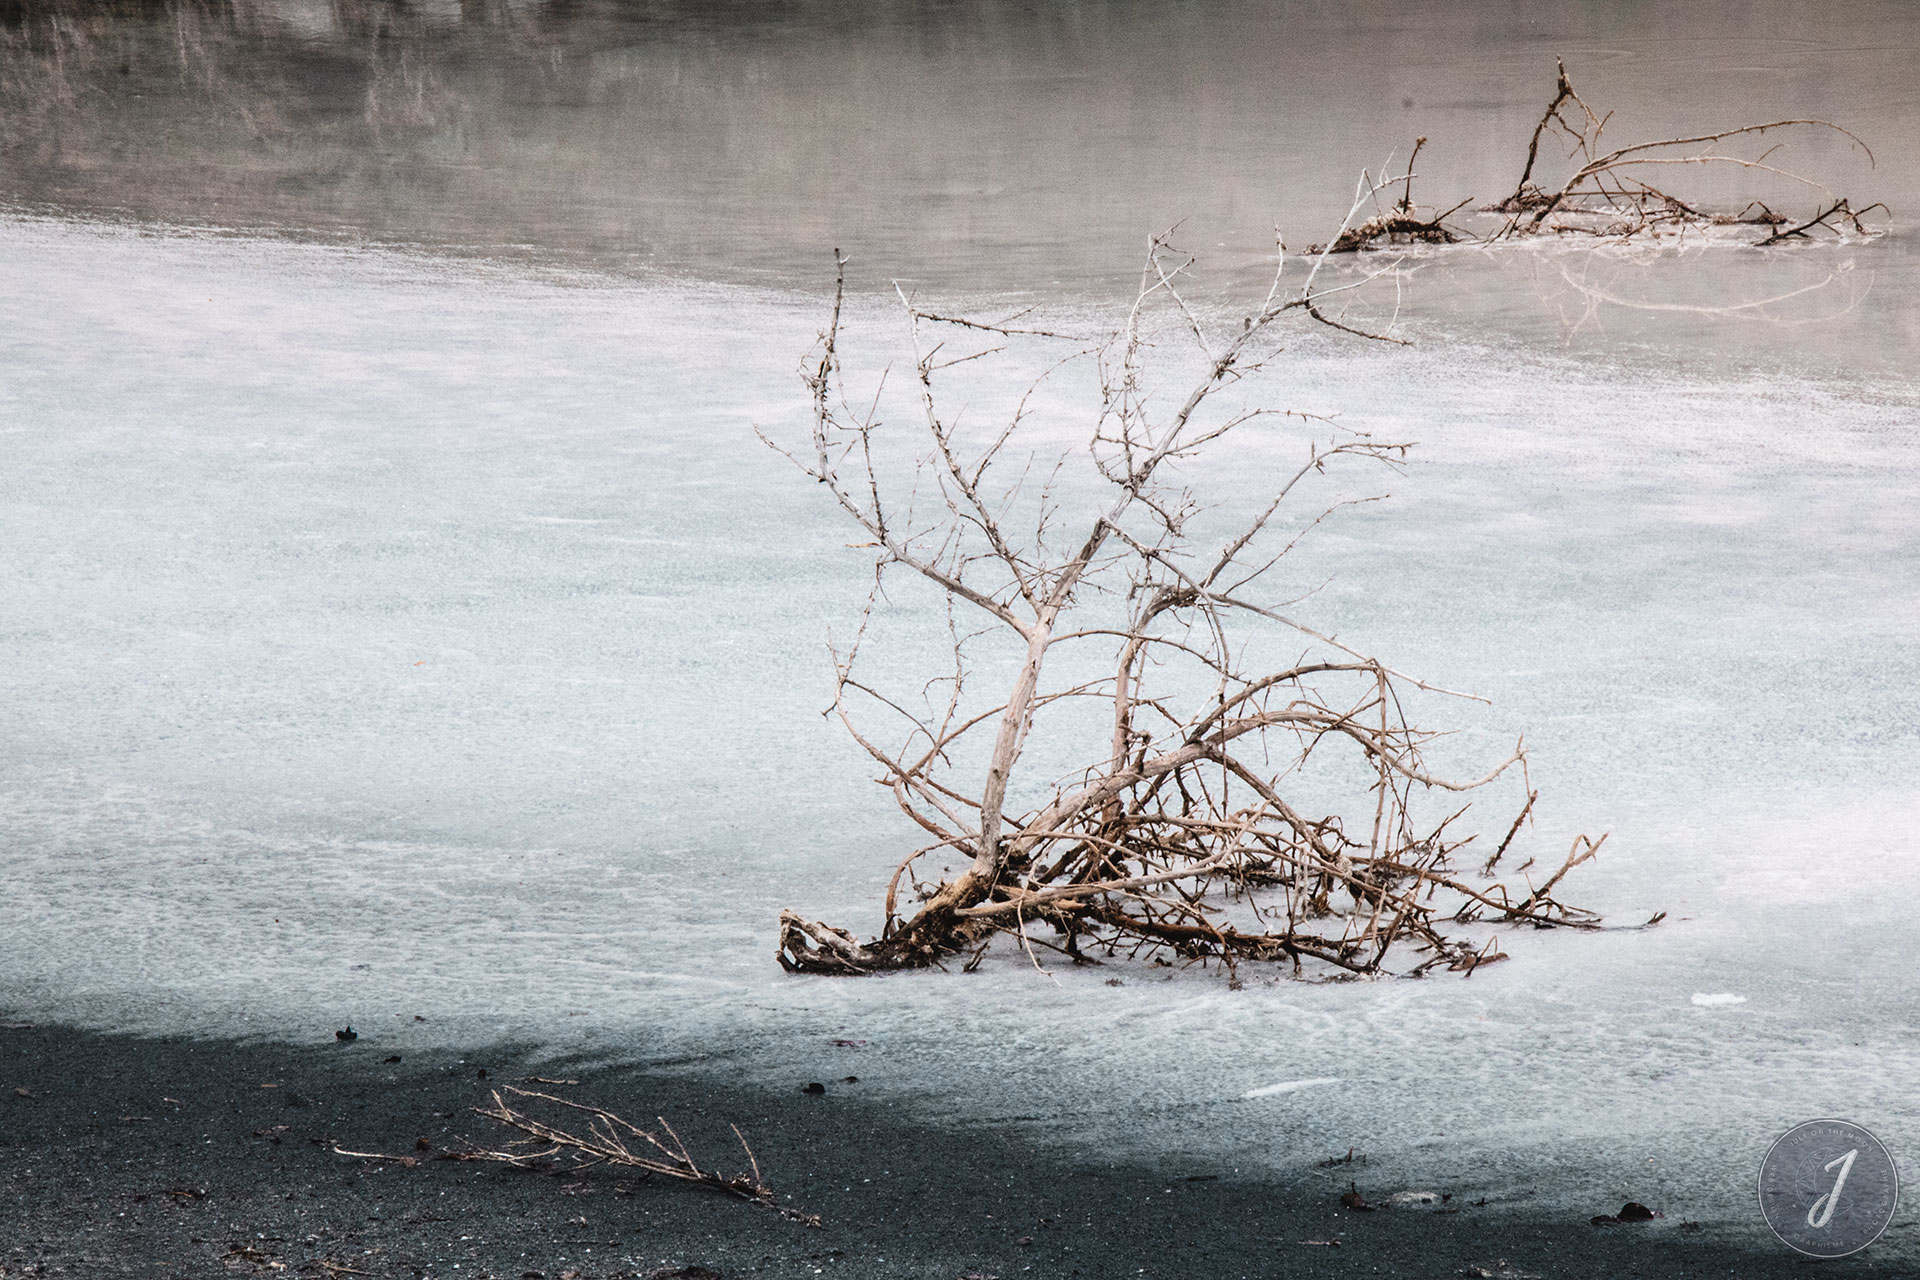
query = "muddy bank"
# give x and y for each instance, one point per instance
(128, 1156)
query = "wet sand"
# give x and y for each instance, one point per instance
(129, 1156)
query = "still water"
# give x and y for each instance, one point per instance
(991, 146)
(401, 617)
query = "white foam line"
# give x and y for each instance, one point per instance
(1289, 1086)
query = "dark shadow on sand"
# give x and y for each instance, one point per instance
(129, 1156)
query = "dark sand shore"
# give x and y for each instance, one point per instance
(127, 1156)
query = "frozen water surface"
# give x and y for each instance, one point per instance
(387, 637)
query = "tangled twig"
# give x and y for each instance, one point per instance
(1175, 840)
(609, 1139)
(1618, 194)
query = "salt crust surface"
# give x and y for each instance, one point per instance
(387, 637)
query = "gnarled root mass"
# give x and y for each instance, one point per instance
(1191, 852)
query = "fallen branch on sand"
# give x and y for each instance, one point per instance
(405, 1162)
(609, 1139)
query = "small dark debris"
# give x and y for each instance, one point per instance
(23, 1093)
(1352, 1199)
(346, 1033)
(694, 1272)
(813, 1087)
(849, 1079)
(1634, 1211)
(1024, 1241)
(421, 1144)
(391, 1058)
(481, 1074)
(418, 1018)
(1115, 982)
(848, 1044)
(1203, 1177)
(1690, 1225)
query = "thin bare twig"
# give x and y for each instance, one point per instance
(604, 1137)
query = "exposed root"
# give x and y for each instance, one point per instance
(1147, 862)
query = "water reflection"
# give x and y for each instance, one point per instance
(992, 145)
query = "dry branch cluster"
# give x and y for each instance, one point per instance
(1616, 193)
(563, 1136)
(1186, 834)
(1178, 838)
(602, 1137)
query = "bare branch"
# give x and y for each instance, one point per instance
(1174, 835)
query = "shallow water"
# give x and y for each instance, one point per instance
(984, 147)
(396, 632)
